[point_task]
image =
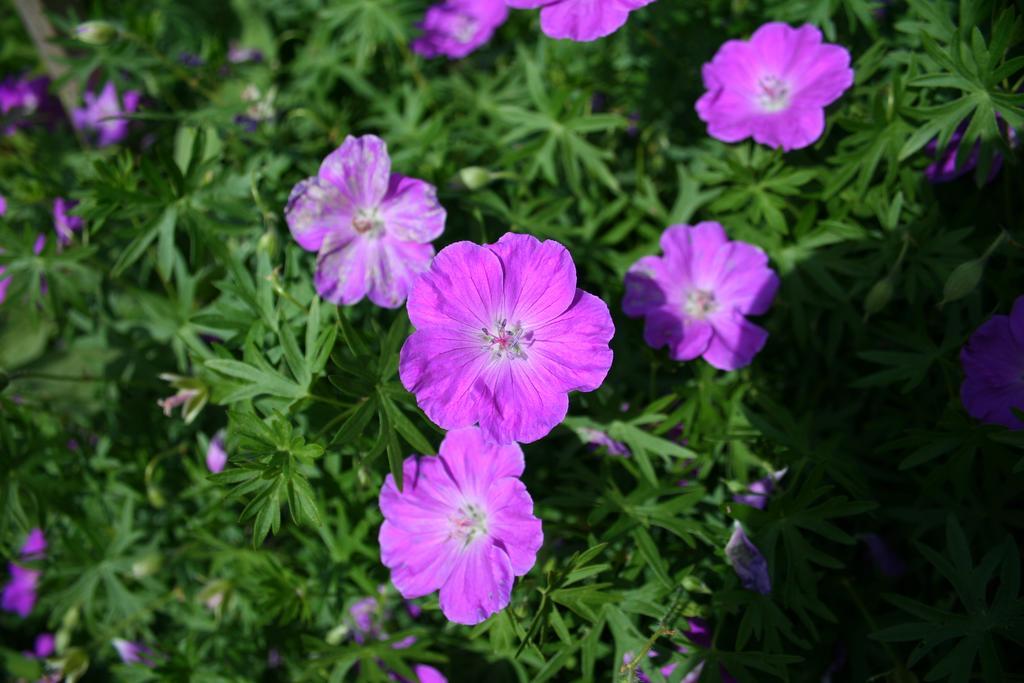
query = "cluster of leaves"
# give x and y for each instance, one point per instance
(185, 267)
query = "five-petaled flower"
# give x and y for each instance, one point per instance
(371, 227)
(455, 28)
(695, 297)
(581, 20)
(774, 87)
(463, 524)
(993, 362)
(502, 335)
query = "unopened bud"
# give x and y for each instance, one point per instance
(963, 280)
(475, 177)
(146, 566)
(95, 32)
(336, 634)
(74, 664)
(879, 296)
(268, 243)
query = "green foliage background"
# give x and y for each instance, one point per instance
(186, 267)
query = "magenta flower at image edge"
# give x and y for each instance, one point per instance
(695, 298)
(19, 593)
(455, 28)
(462, 525)
(581, 20)
(372, 228)
(773, 87)
(503, 334)
(104, 114)
(993, 363)
(5, 282)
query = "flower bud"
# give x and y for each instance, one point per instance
(74, 664)
(268, 244)
(337, 634)
(963, 280)
(879, 296)
(474, 177)
(146, 566)
(95, 32)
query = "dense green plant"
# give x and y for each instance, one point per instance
(186, 267)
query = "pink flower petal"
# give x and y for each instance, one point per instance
(411, 211)
(393, 268)
(735, 343)
(341, 276)
(540, 279)
(573, 347)
(522, 404)
(315, 209)
(479, 585)
(361, 169)
(462, 287)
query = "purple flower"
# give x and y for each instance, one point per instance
(455, 28)
(944, 169)
(39, 244)
(238, 54)
(103, 115)
(19, 595)
(993, 362)
(371, 227)
(581, 20)
(774, 87)
(274, 659)
(748, 562)
(886, 561)
(758, 492)
(63, 223)
(3, 205)
(133, 653)
(363, 614)
(191, 60)
(23, 100)
(463, 524)
(44, 646)
(216, 453)
(695, 297)
(424, 674)
(502, 335)
(595, 438)
(34, 545)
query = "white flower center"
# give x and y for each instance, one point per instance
(464, 29)
(468, 523)
(699, 304)
(772, 93)
(505, 341)
(367, 221)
